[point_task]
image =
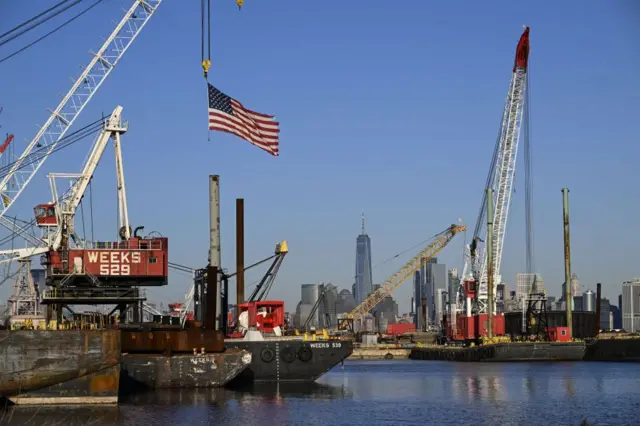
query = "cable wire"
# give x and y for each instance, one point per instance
(34, 18)
(63, 142)
(421, 243)
(50, 32)
(528, 178)
(2, 43)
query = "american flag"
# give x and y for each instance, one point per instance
(228, 115)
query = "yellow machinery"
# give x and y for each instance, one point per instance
(386, 289)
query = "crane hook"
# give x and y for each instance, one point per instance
(239, 3)
(206, 64)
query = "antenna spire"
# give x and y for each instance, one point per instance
(363, 223)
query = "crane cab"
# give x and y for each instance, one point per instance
(46, 214)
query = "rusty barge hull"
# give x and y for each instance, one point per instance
(156, 371)
(60, 367)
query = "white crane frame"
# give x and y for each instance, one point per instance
(72, 104)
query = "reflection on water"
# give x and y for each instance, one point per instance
(385, 393)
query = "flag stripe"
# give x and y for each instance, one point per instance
(271, 150)
(216, 122)
(228, 115)
(216, 117)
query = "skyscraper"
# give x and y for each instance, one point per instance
(631, 305)
(417, 300)
(454, 283)
(434, 275)
(364, 281)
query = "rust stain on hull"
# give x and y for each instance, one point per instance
(100, 387)
(172, 341)
(32, 360)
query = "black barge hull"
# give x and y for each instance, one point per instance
(157, 371)
(289, 360)
(505, 352)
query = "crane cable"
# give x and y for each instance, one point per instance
(37, 24)
(59, 27)
(206, 60)
(34, 18)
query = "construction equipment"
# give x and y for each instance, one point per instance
(70, 258)
(62, 118)
(472, 295)
(90, 272)
(259, 293)
(386, 289)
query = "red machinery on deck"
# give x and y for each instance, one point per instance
(177, 309)
(263, 315)
(559, 334)
(475, 326)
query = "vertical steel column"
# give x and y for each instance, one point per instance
(214, 249)
(240, 250)
(598, 298)
(568, 296)
(213, 293)
(489, 249)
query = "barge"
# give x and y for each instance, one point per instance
(154, 356)
(60, 366)
(505, 352)
(289, 358)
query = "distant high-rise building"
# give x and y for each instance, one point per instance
(617, 317)
(631, 306)
(620, 304)
(575, 285)
(345, 302)
(441, 303)
(364, 280)
(524, 284)
(605, 317)
(434, 275)
(417, 300)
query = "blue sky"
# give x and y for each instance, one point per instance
(387, 107)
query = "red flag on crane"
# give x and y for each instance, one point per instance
(228, 115)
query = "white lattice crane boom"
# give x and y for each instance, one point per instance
(58, 217)
(65, 207)
(83, 89)
(503, 167)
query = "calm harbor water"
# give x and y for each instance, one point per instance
(387, 393)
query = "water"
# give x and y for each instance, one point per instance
(387, 393)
